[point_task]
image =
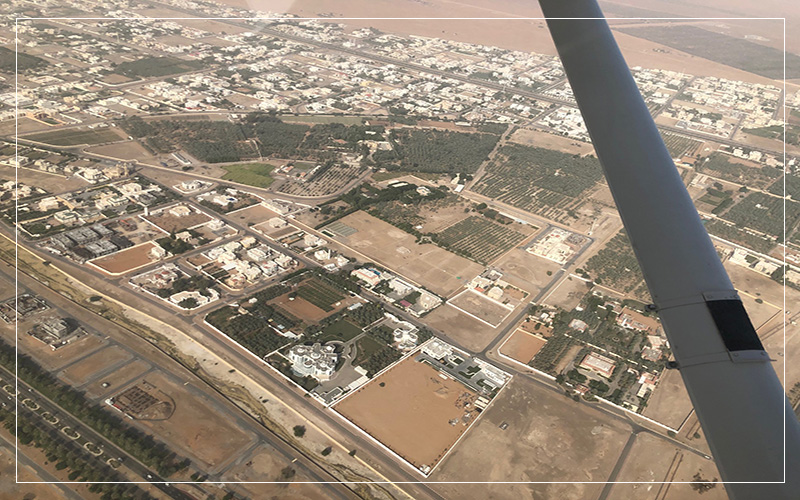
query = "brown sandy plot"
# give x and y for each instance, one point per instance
(522, 346)
(526, 271)
(652, 459)
(548, 438)
(53, 360)
(434, 268)
(568, 294)
(408, 409)
(255, 214)
(540, 139)
(265, 464)
(669, 404)
(116, 379)
(300, 308)
(29, 485)
(480, 306)
(126, 150)
(51, 183)
(83, 371)
(275, 233)
(196, 427)
(465, 330)
(567, 358)
(125, 260)
(438, 218)
(170, 223)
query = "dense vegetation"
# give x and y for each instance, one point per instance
(439, 151)
(721, 165)
(156, 66)
(615, 265)
(478, 238)
(11, 61)
(764, 213)
(792, 186)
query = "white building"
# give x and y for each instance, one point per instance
(318, 361)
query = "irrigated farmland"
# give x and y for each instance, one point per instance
(479, 239)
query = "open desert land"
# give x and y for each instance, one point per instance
(463, 329)
(126, 260)
(481, 306)
(86, 369)
(126, 150)
(52, 183)
(197, 428)
(253, 215)
(116, 379)
(541, 139)
(408, 409)
(170, 223)
(669, 404)
(548, 438)
(434, 268)
(522, 346)
(653, 460)
(265, 465)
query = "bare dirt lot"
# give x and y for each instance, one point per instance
(548, 438)
(53, 360)
(539, 139)
(408, 409)
(128, 150)
(522, 346)
(670, 403)
(254, 215)
(652, 460)
(434, 268)
(51, 183)
(196, 427)
(118, 378)
(568, 293)
(170, 223)
(465, 330)
(83, 371)
(265, 465)
(125, 260)
(526, 271)
(480, 306)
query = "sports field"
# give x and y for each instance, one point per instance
(125, 260)
(434, 268)
(409, 408)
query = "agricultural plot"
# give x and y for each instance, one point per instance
(680, 145)
(156, 66)
(738, 235)
(73, 137)
(615, 265)
(323, 182)
(436, 151)
(764, 213)
(542, 181)
(479, 239)
(742, 172)
(792, 186)
(320, 294)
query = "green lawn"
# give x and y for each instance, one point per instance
(341, 330)
(252, 174)
(75, 137)
(367, 346)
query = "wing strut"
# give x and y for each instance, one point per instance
(736, 394)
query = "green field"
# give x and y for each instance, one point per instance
(347, 120)
(679, 145)
(729, 168)
(341, 330)
(75, 137)
(367, 346)
(320, 294)
(764, 213)
(252, 174)
(157, 66)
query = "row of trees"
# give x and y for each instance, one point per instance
(143, 446)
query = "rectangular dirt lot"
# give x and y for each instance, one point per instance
(669, 404)
(170, 223)
(125, 260)
(434, 268)
(196, 427)
(116, 379)
(83, 371)
(522, 346)
(408, 409)
(480, 306)
(467, 331)
(548, 438)
(53, 360)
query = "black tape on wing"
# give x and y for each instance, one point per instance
(734, 325)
